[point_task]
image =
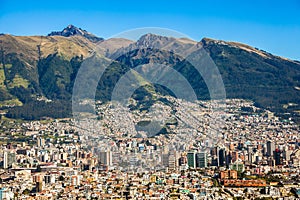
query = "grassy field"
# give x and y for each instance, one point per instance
(18, 81)
(2, 77)
(11, 102)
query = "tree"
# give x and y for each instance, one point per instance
(61, 178)
(26, 191)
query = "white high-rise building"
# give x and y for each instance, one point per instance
(172, 161)
(40, 142)
(8, 159)
(5, 160)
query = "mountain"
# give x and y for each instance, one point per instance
(37, 73)
(247, 72)
(250, 73)
(73, 31)
(179, 46)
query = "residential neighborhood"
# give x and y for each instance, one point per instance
(237, 152)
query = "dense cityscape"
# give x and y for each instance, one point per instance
(149, 100)
(237, 152)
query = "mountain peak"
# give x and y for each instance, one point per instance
(153, 40)
(153, 37)
(70, 26)
(72, 30)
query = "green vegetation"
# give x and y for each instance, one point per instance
(39, 110)
(5, 96)
(2, 77)
(54, 77)
(11, 102)
(18, 81)
(269, 81)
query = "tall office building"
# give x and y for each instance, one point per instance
(270, 148)
(105, 158)
(222, 157)
(287, 154)
(201, 159)
(182, 159)
(40, 142)
(165, 159)
(228, 159)
(172, 162)
(8, 159)
(5, 160)
(191, 159)
(250, 153)
(215, 156)
(278, 156)
(39, 186)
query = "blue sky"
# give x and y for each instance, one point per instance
(273, 26)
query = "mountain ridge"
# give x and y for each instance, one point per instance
(46, 66)
(72, 30)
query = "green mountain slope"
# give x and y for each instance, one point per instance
(37, 73)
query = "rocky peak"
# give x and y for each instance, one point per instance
(152, 40)
(72, 30)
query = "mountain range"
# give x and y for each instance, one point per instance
(37, 73)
